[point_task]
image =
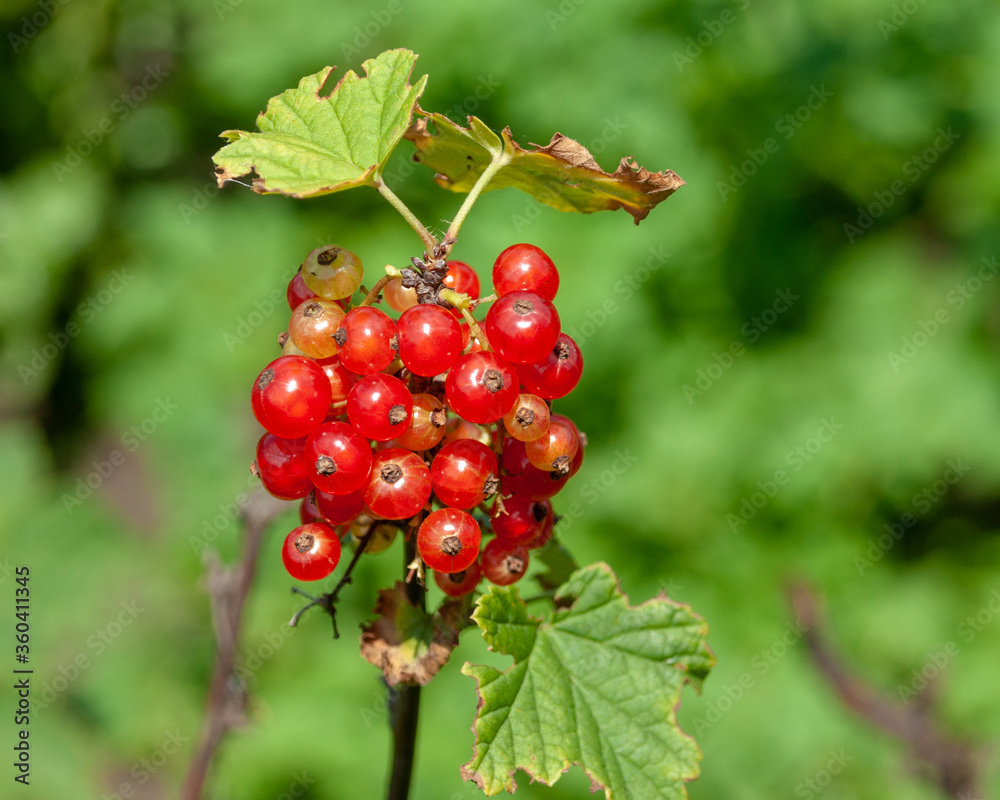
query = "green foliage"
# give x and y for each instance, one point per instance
(310, 144)
(653, 307)
(596, 684)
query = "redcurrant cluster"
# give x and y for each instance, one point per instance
(429, 422)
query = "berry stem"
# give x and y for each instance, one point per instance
(328, 600)
(404, 702)
(475, 330)
(429, 241)
(463, 303)
(500, 160)
(373, 295)
(488, 299)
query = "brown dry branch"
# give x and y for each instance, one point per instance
(952, 765)
(228, 588)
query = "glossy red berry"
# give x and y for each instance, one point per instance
(281, 467)
(462, 278)
(554, 452)
(311, 551)
(503, 563)
(342, 380)
(297, 291)
(481, 387)
(458, 428)
(379, 406)
(524, 479)
(457, 584)
(399, 485)
(308, 511)
(430, 340)
(291, 396)
(524, 267)
(448, 540)
(339, 509)
(528, 419)
(523, 327)
(428, 424)
(339, 457)
(547, 530)
(464, 473)
(366, 340)
(557, 374)
(398, 296)
(312, 326)
(522, 519)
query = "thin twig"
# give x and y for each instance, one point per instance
(228, 590)
(951, 764)
(328, 600)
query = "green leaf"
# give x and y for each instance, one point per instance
(596, 684)
(310, 144)
(563, 174)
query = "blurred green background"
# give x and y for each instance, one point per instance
(797, 353)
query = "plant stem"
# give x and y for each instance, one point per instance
(500, 160)
(404, 702)
(372, 296)
(475, 330)
(429, 241)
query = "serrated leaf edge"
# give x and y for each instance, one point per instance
(510, 785)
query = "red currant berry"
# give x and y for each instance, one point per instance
(398, 296)
(428, 423)
(557, 374)
(297, 291)
(340, 458)
(547, 529)
(399, 486)
(528, 419)
(291, 396)
(456, 584)
(281, 467)
(379, 406)
(311, 551)
(522, 327)
(464, 473)
(524, 267)
(342, 380)
(367, 340)
(522, 519)
(308, 511)
(458, 428)
(339, 509)
(312, 326)
(332, 272)
(481, 387)
(448, 540)
(462, 278)
(535, 483)
(430, 340)
(554, 452)
(504, 563)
